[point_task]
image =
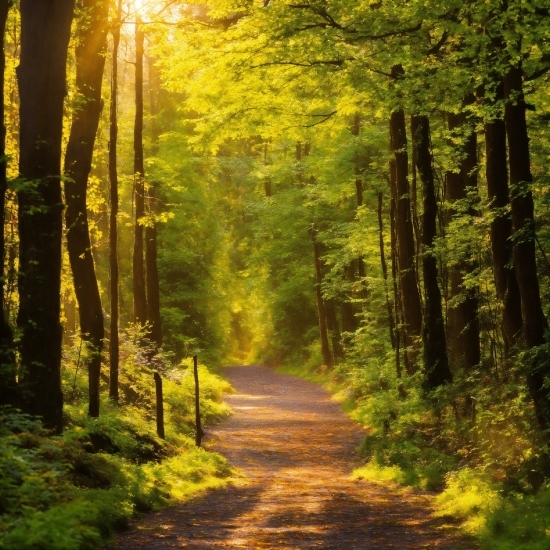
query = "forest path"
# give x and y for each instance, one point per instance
(296, 449)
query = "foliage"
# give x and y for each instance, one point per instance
(71, 491)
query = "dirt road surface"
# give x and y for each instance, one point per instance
(296, 450)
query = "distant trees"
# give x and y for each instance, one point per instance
(453, 68)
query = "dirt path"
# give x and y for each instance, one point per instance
(297, 450)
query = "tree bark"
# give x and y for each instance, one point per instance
(356, 129)
(534, 321)
(138, 279)
(400, 335)
(114, 347)
(501, 229)
(391, 319)
(436, 363)
(334, 331)
(325, 348)
(45, 32)
(412, 307)
(153, 287)
(90, 63)
(463, 320)
(8, 371)
(160, 405)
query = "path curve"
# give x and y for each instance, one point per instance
(296, 449)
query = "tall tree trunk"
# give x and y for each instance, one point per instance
(399, 333)
(356, 129)
(153, 287)
(138, 279)
(391, 319)
(334, 330)
(436, 363)
(501, 228)
(463, 320)
(534, 321)
(90, 62)
(114, 348)
(325, 348)
(45, 32)
(8, 370)
(412, 307)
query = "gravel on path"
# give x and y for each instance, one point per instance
(296, 450)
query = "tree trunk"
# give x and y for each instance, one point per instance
(436, 363)
(463, 321)
(45, 32)
(534, 321)
(356, 129)
(501, 229)
(399, 335)
(138, 279)
(412, 307)
(153, 288)
(391, 320)
(8, 370)
(334, 330)
(90, 62)
(114, 348)
(325, 349)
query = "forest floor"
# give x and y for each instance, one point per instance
(296, 450)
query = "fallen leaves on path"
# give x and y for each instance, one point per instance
(296, 450)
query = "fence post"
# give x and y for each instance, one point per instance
(160, 409)
(199, 432)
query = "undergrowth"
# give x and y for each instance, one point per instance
(486, 461)
(70, 492)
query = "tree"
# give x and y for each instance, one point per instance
(412, 308)
(153, 287)
(138, 276)
(45, 32)
(8, 370)
(501, 227)
(525, 264)
(436, 363)
(463, 320)
(113, 224)
(90, 62)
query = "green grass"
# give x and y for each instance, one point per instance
(70, 492)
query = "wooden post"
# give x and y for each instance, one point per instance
(160, 410)
(199, 432)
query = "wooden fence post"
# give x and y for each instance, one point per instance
(199, 432)
(160, 409)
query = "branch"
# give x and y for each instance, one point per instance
(439, 44)
(321, 12)
(388, 34)
(542, 71)
(336, 62)
(326, 117)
